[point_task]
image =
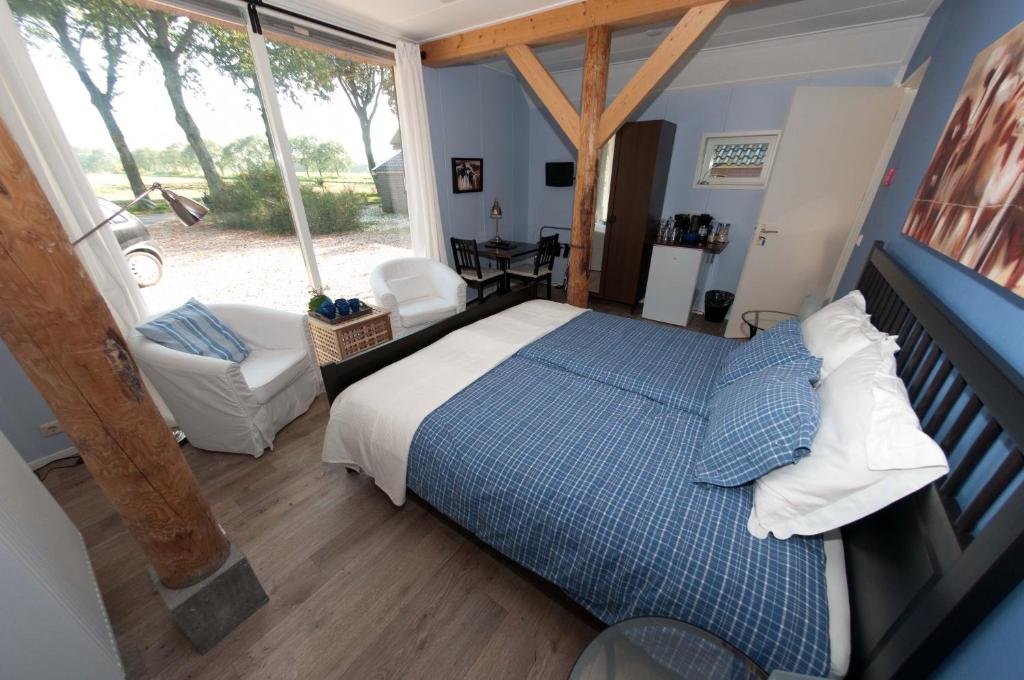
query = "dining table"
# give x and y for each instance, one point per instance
(503, 257)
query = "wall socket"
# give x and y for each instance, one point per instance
(50, 429)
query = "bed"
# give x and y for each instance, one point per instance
(572, 458)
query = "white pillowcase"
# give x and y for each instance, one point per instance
(408, 288)
(869, 451)
(839, 330)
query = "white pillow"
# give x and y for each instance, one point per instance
(839, 330)
(408, 288)
(869, 451)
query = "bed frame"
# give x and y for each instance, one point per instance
(922, 572)
(340, 375)
(925, 571)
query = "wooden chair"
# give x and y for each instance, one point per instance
(467, 264)
(543, 261)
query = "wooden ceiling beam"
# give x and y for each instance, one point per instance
(686, 33)
(547, 90)
(555, 25)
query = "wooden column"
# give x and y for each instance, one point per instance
(595, 84)
(59, 329)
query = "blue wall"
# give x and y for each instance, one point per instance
(473, 113)
(957, 33)
(22, 411)
(955, 36)
(696, 112)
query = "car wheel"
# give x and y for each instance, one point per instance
(145, 267)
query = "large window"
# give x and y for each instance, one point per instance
(341, 118)
(147, 96)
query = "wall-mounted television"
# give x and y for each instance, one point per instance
(559, 174)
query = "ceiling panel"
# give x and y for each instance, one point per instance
(421, 20)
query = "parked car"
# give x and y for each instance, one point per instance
(144, 257)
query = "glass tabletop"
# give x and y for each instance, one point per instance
(657, 648)
(763, 319)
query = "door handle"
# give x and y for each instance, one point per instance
(762, 234)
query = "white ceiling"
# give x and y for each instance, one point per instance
(422, 20)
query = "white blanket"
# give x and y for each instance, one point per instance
(373, 421)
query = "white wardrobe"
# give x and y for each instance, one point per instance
(53, 625)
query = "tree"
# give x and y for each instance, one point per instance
(178, 159)
(72, 25)
(332, 156)
(96, 160)
(228, 51)
(303, 151)
(176, 42)
(246, 154)
(322, 156)
(363, 85)
(322, 74)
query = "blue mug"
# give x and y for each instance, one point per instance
(326, 309)
(355, 305)
(342, 306)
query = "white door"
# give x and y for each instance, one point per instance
(828, 157)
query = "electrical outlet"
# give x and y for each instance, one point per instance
(50, 429)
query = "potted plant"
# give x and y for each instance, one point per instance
(317, 298)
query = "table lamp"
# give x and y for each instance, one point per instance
(497, 241)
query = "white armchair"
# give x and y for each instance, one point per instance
(237, 408)
(417, 291)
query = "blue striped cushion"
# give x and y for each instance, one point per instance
(758, 423)
(193, 328)
(784, 343)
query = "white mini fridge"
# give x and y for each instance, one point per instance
(672, 283)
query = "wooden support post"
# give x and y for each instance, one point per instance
(60, 330)
(595, 85)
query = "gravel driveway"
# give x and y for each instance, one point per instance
(225, 265)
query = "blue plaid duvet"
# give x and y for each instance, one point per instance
(589, 485)
(672, 366)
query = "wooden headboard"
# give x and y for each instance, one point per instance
(925, 571)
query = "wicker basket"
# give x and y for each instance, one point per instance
(335, 342)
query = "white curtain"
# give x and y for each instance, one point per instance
(27, 113)
(420, 182)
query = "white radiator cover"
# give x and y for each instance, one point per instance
(53, 624)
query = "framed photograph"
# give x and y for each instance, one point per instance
(970, 204)
(737, 160)
(467, 175)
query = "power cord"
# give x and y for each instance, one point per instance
(69, 462)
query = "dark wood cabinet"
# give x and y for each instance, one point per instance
(639, 176)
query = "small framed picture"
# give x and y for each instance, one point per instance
(467, 175)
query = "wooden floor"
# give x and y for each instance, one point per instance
(696, 322)
(358, 588)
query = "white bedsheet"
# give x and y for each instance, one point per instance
(373, 421)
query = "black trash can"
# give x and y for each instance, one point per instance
(717, 304)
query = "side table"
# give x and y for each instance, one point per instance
(656, 648)
(335, 342)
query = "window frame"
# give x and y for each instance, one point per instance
(701, 177)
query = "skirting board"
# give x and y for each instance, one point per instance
(55, 456)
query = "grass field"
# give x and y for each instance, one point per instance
(114, 187)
